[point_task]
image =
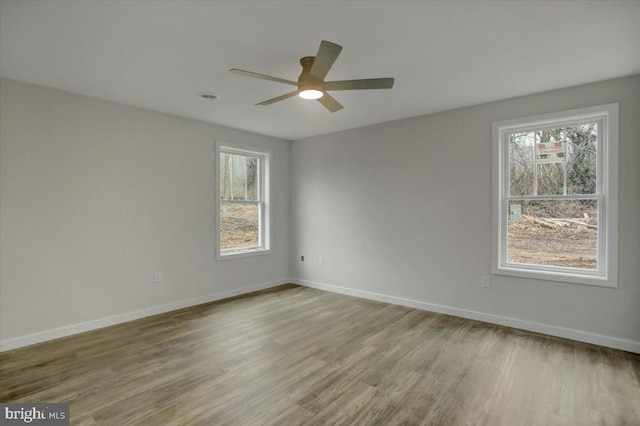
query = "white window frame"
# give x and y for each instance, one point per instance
(264, 204)
(606, 193)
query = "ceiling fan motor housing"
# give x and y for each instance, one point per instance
(306, 81)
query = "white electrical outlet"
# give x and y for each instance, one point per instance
(486, 282)
(321, 260)
(157, 277)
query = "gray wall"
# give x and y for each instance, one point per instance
(402, 212)
(97, 196)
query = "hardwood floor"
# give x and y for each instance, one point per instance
(294, 355)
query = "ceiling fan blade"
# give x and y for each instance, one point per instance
(330, 103)
(279, 98)
(327, 55)
(368, 83)
(262, 76)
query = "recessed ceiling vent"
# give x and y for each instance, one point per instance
(208, 96)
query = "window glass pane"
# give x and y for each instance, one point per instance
(226, 175)
(239, 225)
(252, 178)
(551, 161)
(239, 177)
(555, 161)
(553, 232)
(581, 165)
(521, 163)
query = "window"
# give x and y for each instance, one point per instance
(555, 196)
(243, 194)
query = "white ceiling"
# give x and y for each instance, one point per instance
(443, 55)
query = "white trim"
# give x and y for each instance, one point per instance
(254, 251)
(56, 333)
(607, 196)
(265, 204)
(551, 330)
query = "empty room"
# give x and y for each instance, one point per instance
(319, 212)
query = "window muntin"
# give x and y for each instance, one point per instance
(555, 196)
(243, 216)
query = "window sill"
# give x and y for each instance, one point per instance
(242, 253)
(565, 277)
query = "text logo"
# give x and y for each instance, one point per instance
(42, 414)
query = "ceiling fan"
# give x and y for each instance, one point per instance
(311, 84)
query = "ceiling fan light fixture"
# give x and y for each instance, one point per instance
(311, 82)
(310, 94)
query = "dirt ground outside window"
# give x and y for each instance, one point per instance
(570, 242)
(238, 226)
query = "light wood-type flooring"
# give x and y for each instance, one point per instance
(296, 356)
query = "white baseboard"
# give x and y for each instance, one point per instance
(56, 333)
(552, 330)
